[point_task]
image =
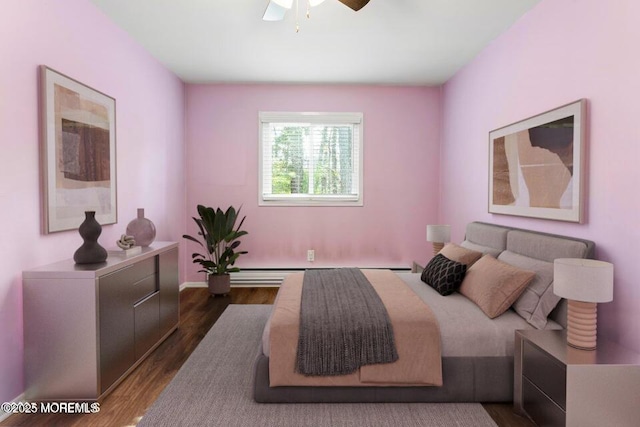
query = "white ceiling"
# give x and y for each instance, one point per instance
(401, 42)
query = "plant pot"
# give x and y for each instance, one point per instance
(219, 284)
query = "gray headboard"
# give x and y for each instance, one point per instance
(494, 239)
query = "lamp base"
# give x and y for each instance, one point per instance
(437, 247)
(582, 325)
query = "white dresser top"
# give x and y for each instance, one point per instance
(68, 269)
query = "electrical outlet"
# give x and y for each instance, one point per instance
(311, 255)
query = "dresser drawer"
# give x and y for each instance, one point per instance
(132, 273)
(141, 269)
(145, 287)
(545, 373)
(540, 408)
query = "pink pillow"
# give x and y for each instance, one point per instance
(494, 285)
(459, 254)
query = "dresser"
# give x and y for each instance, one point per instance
(87, 326)
(558, 385)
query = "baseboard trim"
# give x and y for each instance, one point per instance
(255, 285)
(4, 415)
(266, 277)
(244, 285)
(186, 285)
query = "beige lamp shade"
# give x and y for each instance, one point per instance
(438, 233)
(585, 280)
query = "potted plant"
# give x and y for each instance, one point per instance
(218, 236)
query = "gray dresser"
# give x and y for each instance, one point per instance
(87, 326)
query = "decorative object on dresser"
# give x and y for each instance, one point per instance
(125, 242)
(536, 166)
(90, 252)
(87, 326)
(142, 229)
(78, 152)
(126, 246)
(218, 236)
(438, 235)
(584, 282)
(559, 385)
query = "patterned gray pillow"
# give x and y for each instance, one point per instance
(443, 274)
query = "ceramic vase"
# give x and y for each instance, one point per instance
(90, 252)
(142, 229)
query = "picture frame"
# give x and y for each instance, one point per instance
(78, 152)
(537, 165)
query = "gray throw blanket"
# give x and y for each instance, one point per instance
(343, 324)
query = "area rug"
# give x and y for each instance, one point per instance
(214, 388)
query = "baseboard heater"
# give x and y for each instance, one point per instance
(266, 277)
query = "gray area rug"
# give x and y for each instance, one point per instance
(214, 388)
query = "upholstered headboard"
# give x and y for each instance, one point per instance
(509, 243)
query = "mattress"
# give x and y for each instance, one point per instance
(415, 331)
(465, 330)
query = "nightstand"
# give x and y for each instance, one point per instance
(416, 267)
(558, 385)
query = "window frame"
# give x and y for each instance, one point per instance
(354, 119)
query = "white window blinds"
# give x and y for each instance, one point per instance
(310, 158)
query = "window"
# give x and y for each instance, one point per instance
(311, 159)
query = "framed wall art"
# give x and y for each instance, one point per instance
(78, 152)
(536, 166)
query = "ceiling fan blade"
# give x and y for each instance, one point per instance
(354, 4)
(274, 12)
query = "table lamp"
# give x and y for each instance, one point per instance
(438, 235)
(584, 282)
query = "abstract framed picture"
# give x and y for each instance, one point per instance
(536, 165)
(78, 152)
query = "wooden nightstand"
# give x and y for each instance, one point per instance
(557, 385)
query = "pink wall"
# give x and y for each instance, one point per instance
(560, 51)
(401, 128)
(78, 40)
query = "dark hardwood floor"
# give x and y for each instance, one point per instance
(198, 312)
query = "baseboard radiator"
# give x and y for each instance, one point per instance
(267, 277)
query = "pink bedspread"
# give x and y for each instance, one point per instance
(416, 331)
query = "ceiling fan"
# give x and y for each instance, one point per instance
(277, 8)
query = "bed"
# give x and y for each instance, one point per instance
(477, 351)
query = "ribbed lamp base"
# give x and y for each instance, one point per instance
(437, 247)
(582, 325)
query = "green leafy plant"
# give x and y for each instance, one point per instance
(219, 236)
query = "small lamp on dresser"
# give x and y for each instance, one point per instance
(584, 282)
(438, 235)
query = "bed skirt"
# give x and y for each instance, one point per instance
(466, 379)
